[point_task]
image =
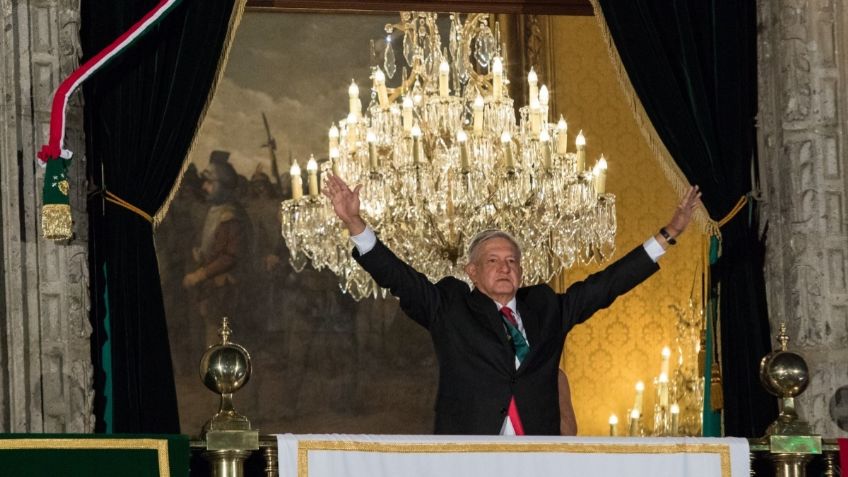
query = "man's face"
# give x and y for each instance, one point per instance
(496, 270)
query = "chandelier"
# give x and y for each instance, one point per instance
(441, 157)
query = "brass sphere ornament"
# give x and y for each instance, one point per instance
(785, 375)
(224, 368)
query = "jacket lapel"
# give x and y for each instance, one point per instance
(483, 308)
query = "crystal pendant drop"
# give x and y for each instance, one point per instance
(389, 61)
(408, 46)
(453, 43)
(484, 46)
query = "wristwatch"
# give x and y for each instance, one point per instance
(667, 236)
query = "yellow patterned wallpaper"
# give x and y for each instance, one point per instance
(621, 345)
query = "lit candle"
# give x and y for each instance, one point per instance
(600, 172)
(407, 114)
(334, 159)
(581, 151)
(478, 115)
(613, 423)
(675, 419)
(334, 137)
(497, 78)
(562, 136)
(371, 139)
(533, 84)
(545, 144)
(506, 142)
(444, 71)
(535, 117)
(416, 143)
(544, 98)
(351, 130)
(640, 391)
(634, 423)
(380, 86)
(353, 94)
(296, 181)
(312, 172)
(663, 388)
(666, 351)
(462, 139)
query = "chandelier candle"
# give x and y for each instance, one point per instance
(380, 87)
(600, 172)
(312, 173)
(545, 144)
(351, 129)
(334, 160)
(371, 138)
(506, 140)
(478, 115)
(613, 423)
(462, 139)
(296, 181)
(533, 85)
(334, 138)
(581, 151)
(497, 78)
(562, 136)
(544, 99)
(535, 117)
(353, 95)
(444, 71)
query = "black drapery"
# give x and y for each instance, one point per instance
(141, 114)
(692, 64)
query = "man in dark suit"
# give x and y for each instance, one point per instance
(498, 345)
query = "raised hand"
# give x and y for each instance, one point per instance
(345, 203)
(683, 213)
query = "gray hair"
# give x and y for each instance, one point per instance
(477, 241)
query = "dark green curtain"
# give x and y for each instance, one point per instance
(141, 113)
(693, 65)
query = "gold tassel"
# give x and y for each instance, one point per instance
(716, 393)
(56, 221)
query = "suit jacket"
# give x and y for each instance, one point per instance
(477, 374)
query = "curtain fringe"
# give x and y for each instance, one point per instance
(672, 172)
(235, 20)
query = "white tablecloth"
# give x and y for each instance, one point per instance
(338, 455)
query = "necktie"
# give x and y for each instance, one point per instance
(520, 346)
(519, 343)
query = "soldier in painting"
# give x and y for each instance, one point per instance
(222, 254)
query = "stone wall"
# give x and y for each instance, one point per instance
(46, 385)
(802, 132)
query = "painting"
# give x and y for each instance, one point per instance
(322, 362)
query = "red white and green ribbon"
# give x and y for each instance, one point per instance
(56, 210)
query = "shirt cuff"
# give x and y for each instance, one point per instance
(651, 246)
(365, 240)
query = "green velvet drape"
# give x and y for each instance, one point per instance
(141, 113)
(693, 65)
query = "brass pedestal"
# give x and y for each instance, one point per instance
(227, 463)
